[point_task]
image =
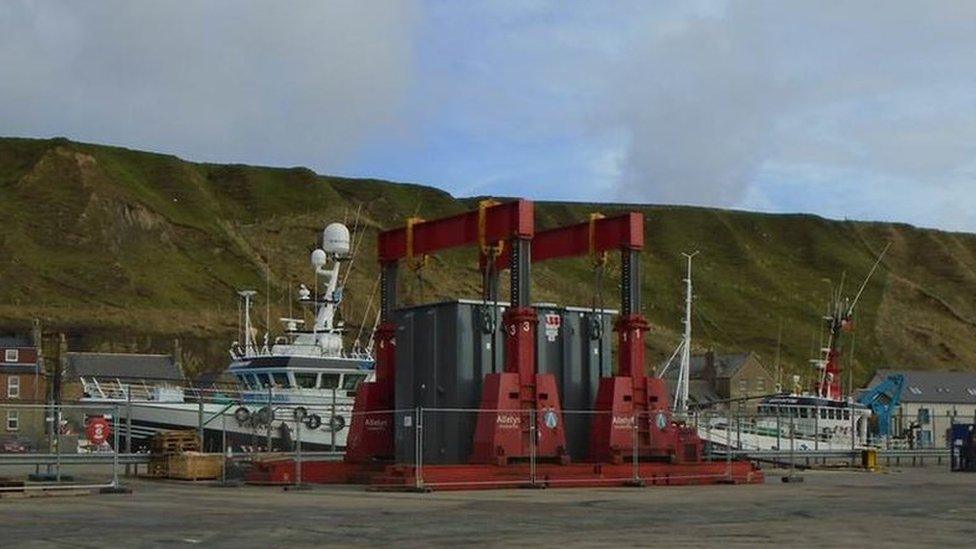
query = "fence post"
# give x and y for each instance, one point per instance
(115, 487)
(418, 444)
(332, 420)
(738, 427)
(532, 448)
(115, 449)
(270, 416)
(298, 451)
(200, 419)
(128, 428)
(816, 426)
(223, 446)
(779, 444)
(728, 444)
(792, 444)
(635, 458)
(708, 432)
(57, 442)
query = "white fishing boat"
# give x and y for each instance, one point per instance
(305, 380)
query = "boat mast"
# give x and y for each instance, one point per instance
(684, 368)
(840, 320)
(249, 343)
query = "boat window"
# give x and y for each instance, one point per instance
(847, 414)
(330, 381)
(803, 412)
(255, 383)
(281, 380)
(352, 381)
(823, 413)
(306, 380)
(265, 380)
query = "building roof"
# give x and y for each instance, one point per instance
(725, 365)
(124, 366)
(933, 386)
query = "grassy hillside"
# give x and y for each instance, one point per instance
(128, 250)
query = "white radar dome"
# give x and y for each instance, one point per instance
(335, 239)
(318, 258)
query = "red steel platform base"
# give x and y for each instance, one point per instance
(490, 476)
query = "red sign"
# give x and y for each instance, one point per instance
(98, 430)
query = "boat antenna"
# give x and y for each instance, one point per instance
(850, 311)
(358, 242)
(681, 388)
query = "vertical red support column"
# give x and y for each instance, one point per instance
(519, 402)
(371, 428)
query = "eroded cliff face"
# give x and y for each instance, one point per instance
(126, 250)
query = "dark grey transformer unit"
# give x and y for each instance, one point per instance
(444, 350)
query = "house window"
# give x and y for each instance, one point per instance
(743, 385)
(13, 387)
(13, 420)
(923, 416)
(11, 355)
(761, 384)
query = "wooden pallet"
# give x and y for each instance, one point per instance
(186, 466)
(175, 442)
(195, 466)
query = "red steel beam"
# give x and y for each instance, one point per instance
(503, 221)
(609, 233)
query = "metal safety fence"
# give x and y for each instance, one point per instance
(52, 447)
(95, 445)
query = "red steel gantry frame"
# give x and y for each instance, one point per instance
(630, 395)
(493, 226)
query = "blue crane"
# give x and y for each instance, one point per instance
(882, 399)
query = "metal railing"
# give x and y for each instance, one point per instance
(57, 451)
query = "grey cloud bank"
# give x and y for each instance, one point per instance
(299, 82)
(848, 109)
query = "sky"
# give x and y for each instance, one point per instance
(847, 109)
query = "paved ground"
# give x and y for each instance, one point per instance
(906, 508)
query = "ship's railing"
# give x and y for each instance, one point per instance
(296, 349)
(916, 432)
(112, 389)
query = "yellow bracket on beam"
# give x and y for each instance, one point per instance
(487, 250)
(412, 263)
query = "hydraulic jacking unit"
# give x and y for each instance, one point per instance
(520, 423)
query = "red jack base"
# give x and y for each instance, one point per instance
(503, 431)
(371, 430)
(485, 476)
(624, 401)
